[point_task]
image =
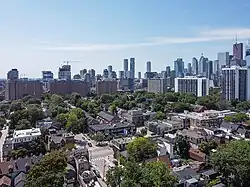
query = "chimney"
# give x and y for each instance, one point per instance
(10, 169)
(27, 167)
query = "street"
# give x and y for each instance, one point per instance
(2, 139)
(101, 157)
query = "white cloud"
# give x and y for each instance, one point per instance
(206, 35)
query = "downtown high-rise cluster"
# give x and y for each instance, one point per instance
(231, 72)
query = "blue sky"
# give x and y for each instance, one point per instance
(38, 35)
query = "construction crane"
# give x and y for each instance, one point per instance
(70, 61)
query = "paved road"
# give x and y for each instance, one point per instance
(2, 139)
(102, 159)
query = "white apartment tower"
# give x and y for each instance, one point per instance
(198, 86)
(236, 83)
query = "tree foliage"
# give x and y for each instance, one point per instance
(232, 161)
(153, 174)
(48, 172)
(74, 121)
(141, 149)
(237, 118)
(206, 147)
(182, 146)
(99, 137)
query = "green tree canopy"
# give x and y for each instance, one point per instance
(232, 161)
(206, 147)
(16, 105)
(99, 137)
(4, 107)
(74, 98)
(160, 115)
(237, 118)
(48, 172)
(182, 146)
(153, 174)
(141, 149)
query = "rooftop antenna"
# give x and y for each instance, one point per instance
(236, 38)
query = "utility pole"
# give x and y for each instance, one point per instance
(104, 166)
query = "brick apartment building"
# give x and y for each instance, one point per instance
(106, 86)
(17, 89)
(69, 86)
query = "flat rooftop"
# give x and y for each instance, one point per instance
(207, 114)
(26, 133)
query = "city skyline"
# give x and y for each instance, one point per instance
(37, 36)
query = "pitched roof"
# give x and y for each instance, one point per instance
(19, 164)
(5, 181)
(56, 139)
(106, 116)
(20, 177)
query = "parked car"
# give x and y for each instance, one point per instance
(90, 144)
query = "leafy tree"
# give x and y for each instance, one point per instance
(74, 98)
(144, 131)
(35, 113)
(48, 172)
(243, 106)
(5, 108)
(171, 97)
(160, 115)
(237, 118)
(78, 112)
(114, 176)
(182, 146)
(206, 147)
(187, 98)
(232, 161)
(23, 124)
(157, 174)
(99, 137)
(153, 174)
(180, 107)
(208, 101)
(56, 99)
(71, 121)
(107, 98)
(29, 99)
(2, 122)
(62, 118)
(141, 149)
(16, 105)
(113, 109)
(17, 116)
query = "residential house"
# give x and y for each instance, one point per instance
(114, 129)
(119, 145)
(209, 174)
(187, 176)
(162, 127)
(106, 117)
(196, 154)
(209, 118)
(55, 142)
(19, 165)
(134, 116)
(5, 181)
(199, 108)
(21, 137)
(165, 147)
(20, 179)
(193, 136)
(70, 177)
(149, 115)
(48, 124)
